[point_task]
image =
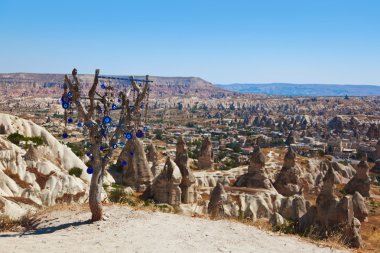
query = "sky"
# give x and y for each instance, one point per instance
(222, 41)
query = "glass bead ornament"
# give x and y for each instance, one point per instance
(128, 136)
(90, 170)
(65, 105)
(107, 119)
(139, 134)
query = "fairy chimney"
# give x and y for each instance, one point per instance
(136, 171)
(361, 181)
(218, 197)
(288, 180)
(165, 187)
(256, 176)
(188, 180)
(206, 155)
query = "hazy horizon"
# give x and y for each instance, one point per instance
(237, 83)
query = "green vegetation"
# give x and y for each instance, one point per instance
(57, 116)
(373, 206)
(77, 149)
(75, 172)
(16, 138)
(288, 228)
(190, 124)
(118, 194)
(233, 162)
(194, 148)
(158, 134)
(235, 146)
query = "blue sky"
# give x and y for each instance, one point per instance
(299, 41)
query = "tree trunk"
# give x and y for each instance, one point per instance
(95, 199)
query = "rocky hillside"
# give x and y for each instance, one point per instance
(161, 86)
(32, 176)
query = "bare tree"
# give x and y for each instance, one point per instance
(103, 134)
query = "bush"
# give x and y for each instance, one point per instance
(235, 146)
(158, 134)
(36, 139)
(75, 172)
(118, 195)
(16, 138)
(194, 149)
(77, 149)
(25, 223)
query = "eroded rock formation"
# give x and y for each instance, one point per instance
(188, 180)
(334, 215)
(360, 209)
(152, 157)
(165, 188)
(136, 171)
(218, 198)
(288, 180)
(206, 155)
(360, 182)
(256, 176)
(152, 154)
(38, 177)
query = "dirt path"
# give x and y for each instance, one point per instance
(127, 230)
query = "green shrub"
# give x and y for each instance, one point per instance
(16, 138)
(287, 228)
(77, 149)
(36, 139)
(118, 195)
(235, 146)
(75, 172)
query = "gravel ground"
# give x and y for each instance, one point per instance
(128, 230)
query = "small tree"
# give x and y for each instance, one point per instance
(102, 136)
